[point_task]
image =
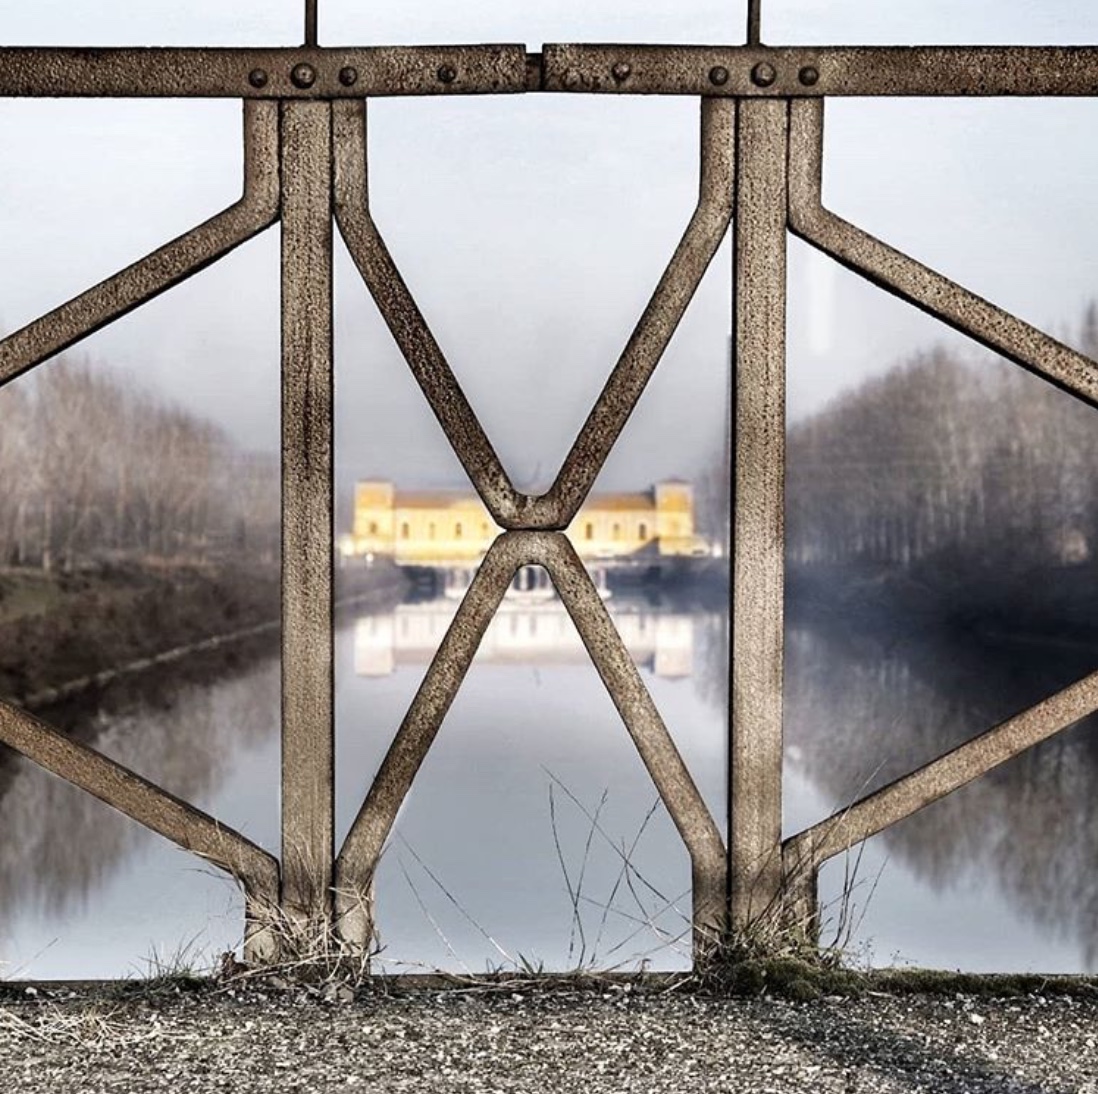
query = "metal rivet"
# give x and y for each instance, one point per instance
(718, 75)
(348, 76)
(573, 78)
(303, 75)
(763, 74)
(809, 76)
(257, 77)
(621, 71)
(447, 74)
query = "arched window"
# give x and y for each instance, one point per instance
(642, 531)
(589, 531)
(457, 530)
(431, 531)
(615, 532)
(405, 530)
(373, 528)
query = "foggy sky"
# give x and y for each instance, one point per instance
(532, 229)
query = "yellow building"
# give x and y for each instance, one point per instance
(420, 527)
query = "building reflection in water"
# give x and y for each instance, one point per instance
(526, 630)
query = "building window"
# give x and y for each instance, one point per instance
(430, 531)
(484, 529)
(615, 532)
(405, 530)
(589, 531)
(373, 528)
(457, 530)
(642, 531)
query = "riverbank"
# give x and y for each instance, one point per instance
(1050, 604)
(63, 635)
(605, 1037)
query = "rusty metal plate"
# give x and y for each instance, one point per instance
(758, 506)
(306, 73)
(308, 719)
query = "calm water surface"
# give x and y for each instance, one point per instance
(498, 828)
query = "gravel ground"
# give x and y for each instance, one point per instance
(613, 1039)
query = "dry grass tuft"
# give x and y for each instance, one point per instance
(91, 1025)
(308, 951)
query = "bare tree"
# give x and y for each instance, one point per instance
(95, 463)
(946, 458)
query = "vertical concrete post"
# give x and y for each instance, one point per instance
(758, 524)
(307, 525)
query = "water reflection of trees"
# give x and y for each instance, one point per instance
(60, 844)
(861, 711)
(711, 658)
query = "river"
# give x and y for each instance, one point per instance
(498, 829)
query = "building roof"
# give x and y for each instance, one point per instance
(447, 499)
(618, 502)
(435, 499)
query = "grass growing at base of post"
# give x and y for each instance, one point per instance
(798, 954)
(308, 951)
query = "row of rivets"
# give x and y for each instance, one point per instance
(764, 74)
(304, 76)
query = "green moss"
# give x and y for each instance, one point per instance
(183, 983)
(805, 978)
(801, 991)
(944, 982)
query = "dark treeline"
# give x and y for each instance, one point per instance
(946, 460)
(95, 467)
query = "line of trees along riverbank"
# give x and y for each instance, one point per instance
(95, 465)
(949, 462)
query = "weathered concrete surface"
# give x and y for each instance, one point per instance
(514, 1039)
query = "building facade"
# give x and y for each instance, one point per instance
(443, 528)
